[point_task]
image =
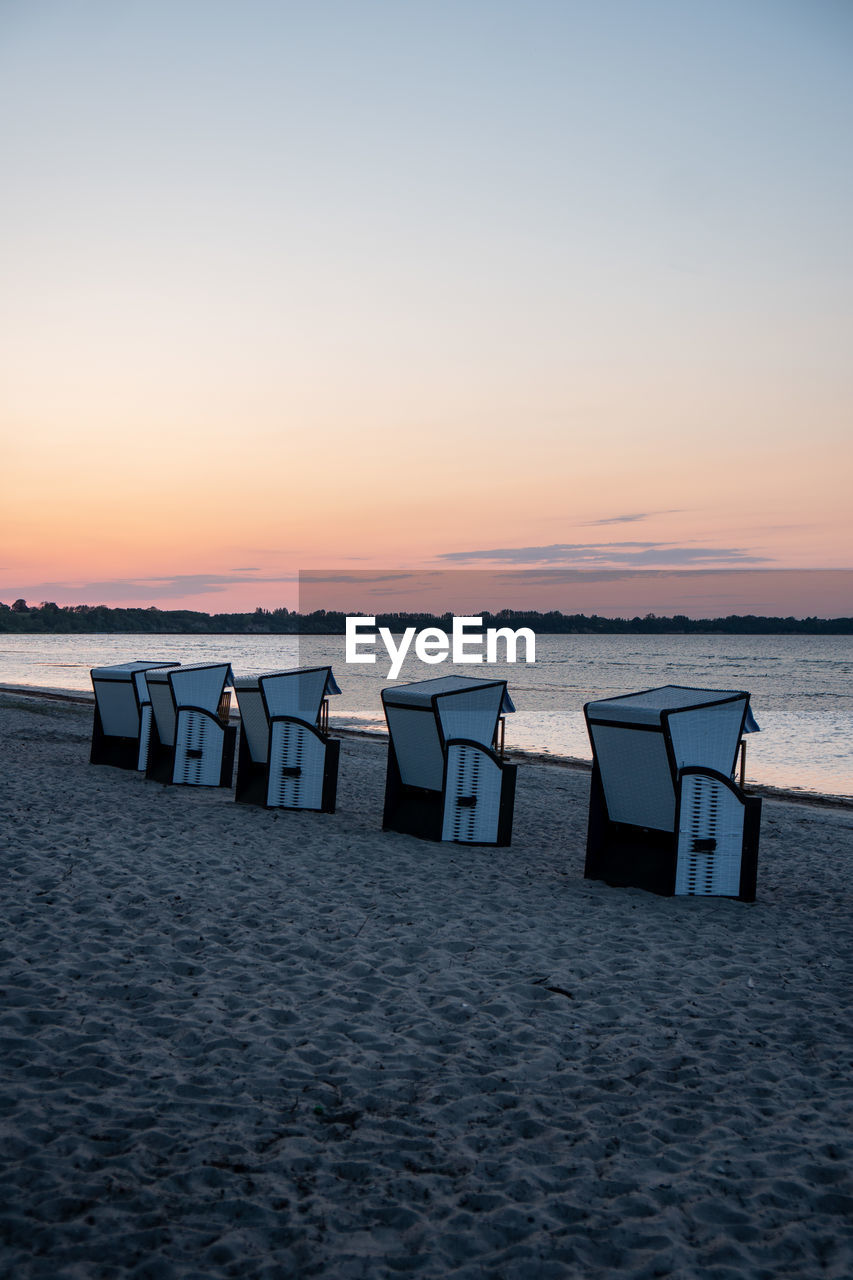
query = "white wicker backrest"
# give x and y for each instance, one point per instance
(636, 776)
(295, 693)
(708, 736)
(254, 719)
(417, 745)
(117, 706)
(199, 686)
(471, 713)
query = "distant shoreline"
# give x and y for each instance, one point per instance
(51, 619)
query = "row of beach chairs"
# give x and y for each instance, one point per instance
(665, 812)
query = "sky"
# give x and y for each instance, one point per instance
(370, 285)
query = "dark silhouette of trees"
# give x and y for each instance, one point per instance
(49, 617)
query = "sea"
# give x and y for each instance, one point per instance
(801, 687)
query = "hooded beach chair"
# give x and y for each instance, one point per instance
(446, 776)
(192, 743)
(122, 724)
(286, 759)
(665, 813)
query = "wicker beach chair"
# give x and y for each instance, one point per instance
(286, 759)
(192, 743)
(122, 723)
(665, 813)
(446, 777)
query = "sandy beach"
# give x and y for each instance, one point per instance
(244, 1043)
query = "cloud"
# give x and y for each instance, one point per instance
(314, 577)
(632, 518)
(614, 555)
(175, 585)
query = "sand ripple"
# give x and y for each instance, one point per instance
(240, 1043)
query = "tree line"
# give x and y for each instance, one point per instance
(84, 618)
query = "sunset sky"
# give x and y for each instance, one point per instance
(421, 284)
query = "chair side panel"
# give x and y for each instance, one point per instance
(472, 799)
(144, 736)
(163, 709)
(419, 755)
(296, 766)
(118, 708)
(635, 776)
(199, 741)
(255, 724)
(710, 838)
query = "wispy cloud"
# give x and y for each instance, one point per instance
(609, 554)
(169, 586)
(632, 518)
(315, 577)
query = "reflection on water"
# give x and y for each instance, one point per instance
(801, 686)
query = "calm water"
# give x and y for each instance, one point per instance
(801, 686)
